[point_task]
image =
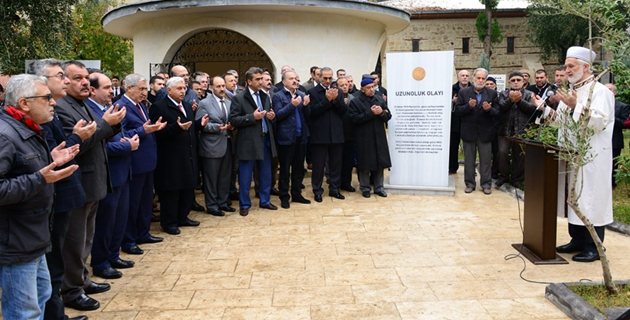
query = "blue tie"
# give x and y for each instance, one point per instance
(260, 108)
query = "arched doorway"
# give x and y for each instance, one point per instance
(219, 50)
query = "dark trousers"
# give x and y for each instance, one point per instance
(291, 159)
(54, 306)
(616, 152)
(485, 172)
(581, 237)
(76, 250)
(245, 173)
(367, 177)
(140, 209)
(320, 152)
(514, 151)
(453, 152)
(111, 223)
(175, 206)
(347, 163)
(216, 179)
(495, 157)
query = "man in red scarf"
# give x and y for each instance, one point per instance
(27, 179)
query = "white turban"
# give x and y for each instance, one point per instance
(581, 53)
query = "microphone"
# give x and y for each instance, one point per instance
(548, 94)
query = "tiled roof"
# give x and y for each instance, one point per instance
(440, 5)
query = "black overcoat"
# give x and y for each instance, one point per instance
(370, 133)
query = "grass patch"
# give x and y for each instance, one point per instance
(621, 204)
(598, 296)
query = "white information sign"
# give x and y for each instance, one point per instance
(419, 98)
(501, 81)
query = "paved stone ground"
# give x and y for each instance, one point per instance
(400, 257)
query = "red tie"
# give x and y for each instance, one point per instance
(142, 113)
(181, 108)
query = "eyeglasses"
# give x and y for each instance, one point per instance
(48, 97)
(516, 80)
(59, 76)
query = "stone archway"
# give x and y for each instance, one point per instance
(218, 50)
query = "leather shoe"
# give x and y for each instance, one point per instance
(227, 209)
(469, 189)
(78, 318)
(301, 200)
(270, 206)
(172, 230)
(348, 188)
(95, 288)
(274, 192)
(501, 182)
(122, 264)
(366, 194)
(83, 303)
(337, 195)
(285, 204)
(150, 239)
(318, 198)
(381, 193)
(197, 207)
(487, 191)
(243, 211)
(216, 213)
(133, 250)
(109, 273)
(586, 256)
(569, 248)
(189, 223)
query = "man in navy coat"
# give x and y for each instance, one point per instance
(111, 217)
(143, 162)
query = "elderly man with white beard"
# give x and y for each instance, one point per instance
(594, 178)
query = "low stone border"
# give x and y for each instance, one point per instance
(619, 227)
(574, 306)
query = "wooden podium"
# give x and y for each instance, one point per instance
(541, 196)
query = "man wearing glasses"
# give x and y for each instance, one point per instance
(516, 109)
(69, 192)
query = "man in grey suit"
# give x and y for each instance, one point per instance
(95, 177)
(215, 149)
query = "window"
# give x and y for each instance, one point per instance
(465, 45)
(415, 45)
(510, 45)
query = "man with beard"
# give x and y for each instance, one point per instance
(516, 109)
(96, 182)
(291, 108)
(156, 83)
(370, 115)
(594, 178)
(477, 107)
(69, 192)
(176, 173)
(541, 86)
(456, 123)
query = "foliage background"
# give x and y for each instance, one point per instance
(60, 29)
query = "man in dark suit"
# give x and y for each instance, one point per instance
(477, 107)
(143, 162)
(176, 173)
(252, 116)
(116, 87)
(95, 177)
(111, 217)
(216, 149)
(290, 106)
(314, 79)
(622, 111)
(326, 128)
(69, 192)
(463, 78)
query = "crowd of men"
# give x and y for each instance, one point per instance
(84, 158)
(488, 121)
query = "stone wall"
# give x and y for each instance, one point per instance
(447, 34)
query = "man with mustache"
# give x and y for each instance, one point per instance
(95, 177)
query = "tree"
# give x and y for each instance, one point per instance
(488, 29)
(554, 33)
(91, 42)
(33, 29)
(610, 20)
